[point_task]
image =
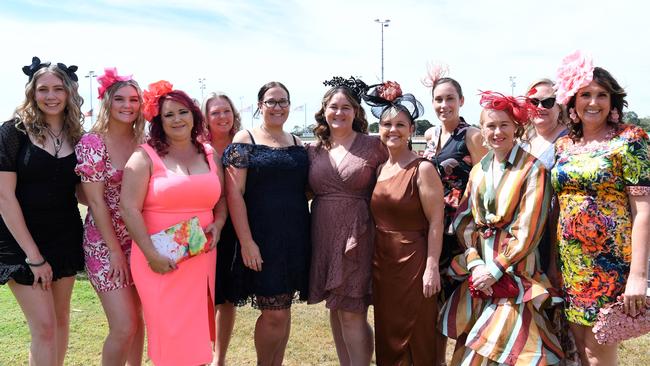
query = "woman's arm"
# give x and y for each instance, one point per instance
(12, 215)
(235, 188)
(118, 266)
(474, 142)
(635, 289)
(431, 198)
(135, 183)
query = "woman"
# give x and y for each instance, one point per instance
(266, 180)
(342, 174)
(101, 156)
(602, 180)
(172, 178)
(41, 230)
(407, 207)
(496, 314)
(223, 122)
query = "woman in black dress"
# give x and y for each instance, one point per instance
(41, 230)
(266, 177)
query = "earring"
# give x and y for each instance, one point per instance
(573, 115)
(613, 116)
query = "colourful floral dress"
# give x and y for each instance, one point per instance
(595, 225)
(94, 165)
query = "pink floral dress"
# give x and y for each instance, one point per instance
(94, 165)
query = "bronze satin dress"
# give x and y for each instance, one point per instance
(405, 321)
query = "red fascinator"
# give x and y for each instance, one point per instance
(152, 96)
(518, 108)
(389, 90)
(109, 78)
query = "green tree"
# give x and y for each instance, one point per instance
(297, 130)
(631, 117)
(373, 127)
(421, 126)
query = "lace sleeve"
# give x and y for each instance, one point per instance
(237, 155)
(91, 159)
(11, 139)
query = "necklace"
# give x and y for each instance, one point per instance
(56, 140)
(270, 135)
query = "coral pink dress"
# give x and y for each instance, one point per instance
(178, 306)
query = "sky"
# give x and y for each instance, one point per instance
(239, 45)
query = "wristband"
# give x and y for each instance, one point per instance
(35, 264)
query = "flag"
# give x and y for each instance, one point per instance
(89, 113)
(247, 109)
(299, 108)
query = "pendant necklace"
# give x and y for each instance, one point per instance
(56, 140)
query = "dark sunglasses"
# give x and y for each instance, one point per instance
(547, 103)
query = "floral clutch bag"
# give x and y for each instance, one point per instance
(614, 325)
(181, 241)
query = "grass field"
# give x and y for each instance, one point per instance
(310, 342)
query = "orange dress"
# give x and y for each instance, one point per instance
(405, 321)
(178, 306)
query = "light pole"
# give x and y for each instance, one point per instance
(90, 76)
(513, 83)
(202, 87)
(382, 24)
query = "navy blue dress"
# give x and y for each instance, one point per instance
(278, 217)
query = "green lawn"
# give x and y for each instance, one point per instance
(310, 342)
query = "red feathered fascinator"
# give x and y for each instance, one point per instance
(518, 108)
(152, 96)
(109, 78)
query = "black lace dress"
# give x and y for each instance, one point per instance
(45, 189)
(278, 217)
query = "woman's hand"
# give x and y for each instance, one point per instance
(161, 264)
(251, 256)
(430, 282)
(213, 233)
(634, 298)
(482, 279)
(43, 273)
(118, 268)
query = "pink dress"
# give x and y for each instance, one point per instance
(94, 165)
(178, 306)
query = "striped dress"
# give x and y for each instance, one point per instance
(500, 222)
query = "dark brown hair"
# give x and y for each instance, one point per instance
(322, 129)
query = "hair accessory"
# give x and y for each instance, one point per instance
(573, 115)
(358, 87)
(69, 70)
(109, 78)
(36, 65)
(614, 116)
(532, 91)
(575, 72)
(389, 95)
(151, 97)
(435, 72)
(518, 108)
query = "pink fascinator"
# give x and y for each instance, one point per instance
(575, 72)
(151, 97)
(109, 78)
(435, 72)
(389, 90)
(518, 108)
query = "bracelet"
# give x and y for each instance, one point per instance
(35, 264)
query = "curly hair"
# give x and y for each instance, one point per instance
(322, 129)
(158, 139)
(101, 124)
(32, 118)
(616, 96)
(236, 117)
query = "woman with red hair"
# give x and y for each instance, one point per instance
(172, 178)
(496, 314)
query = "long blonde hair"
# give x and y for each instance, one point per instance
(33, 119)
(103, 118)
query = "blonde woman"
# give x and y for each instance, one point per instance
(101, 156)
(40, 230)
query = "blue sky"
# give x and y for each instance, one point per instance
(239, 45)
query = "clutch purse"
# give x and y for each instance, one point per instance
(614, 325)
(181, 241)
(505, 287)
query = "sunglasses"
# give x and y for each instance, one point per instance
(547, 103)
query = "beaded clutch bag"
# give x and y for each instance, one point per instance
(614, 325)
(181, 241)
